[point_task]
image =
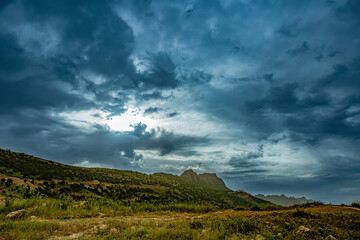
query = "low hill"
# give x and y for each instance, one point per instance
(283, 200)
(25, 176)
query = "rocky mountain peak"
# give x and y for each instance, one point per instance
(209, 179)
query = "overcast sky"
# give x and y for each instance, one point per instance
(265, 93)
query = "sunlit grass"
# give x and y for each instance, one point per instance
(323, 221)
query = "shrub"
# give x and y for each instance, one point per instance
(239, 208)
(302, 214)
(196, 225)
(255, 208)
(8, 202)
(272, 208)
(355, 204)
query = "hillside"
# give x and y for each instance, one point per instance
(283, 200)
(24, 177)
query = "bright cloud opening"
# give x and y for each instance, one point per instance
(128, 120)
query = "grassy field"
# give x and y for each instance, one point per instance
(319, 222)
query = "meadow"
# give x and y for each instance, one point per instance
(48, 219)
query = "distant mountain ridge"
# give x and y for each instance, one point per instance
(283, 200)
(209, 179)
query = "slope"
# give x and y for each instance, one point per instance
(24, 176)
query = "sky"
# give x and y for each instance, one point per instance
(265, 93)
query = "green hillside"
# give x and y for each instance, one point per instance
(26, 177)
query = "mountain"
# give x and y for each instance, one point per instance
(24, 176)
(283, 200)
(209, 180)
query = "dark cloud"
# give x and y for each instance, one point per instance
(333, 53)
(256, 174)
(336, 181)
(71, 145)
(194, 77)
(151, 110)
(269, 77)
(87, 43)
(37, 94)
(290, 30)
(247, 160)
(91, 34)
(4, 3)
(13, 57)
(279, 98)
(338, 168)
(154, 95)
(177, 167)
(313, 188)
(283, 74)
(302, 48)
(348, 11)
(173, 114)
(160, 72)
(24, 85)
(342, 77)
(168, 142)
(91, 48)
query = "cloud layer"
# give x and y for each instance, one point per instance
(265, 93)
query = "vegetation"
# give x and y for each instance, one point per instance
(49, 221)
(40, 199)
(355, 204)
(26, 177)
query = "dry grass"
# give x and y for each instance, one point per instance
(340, 222)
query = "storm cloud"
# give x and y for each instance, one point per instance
(265, 93)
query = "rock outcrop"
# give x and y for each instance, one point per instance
(208, 179)
(302, 230)
(16, 214)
